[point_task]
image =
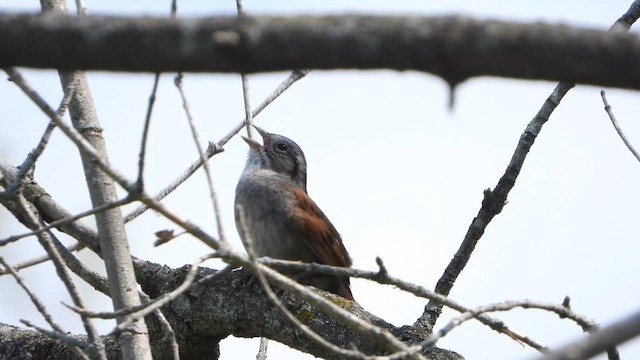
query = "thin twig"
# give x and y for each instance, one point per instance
(169, 334)
(70, 340)
(68, 219)
(246, 96)
(262, 350)
(174, 8)
(145, 131)
(616, 126)
(383, 277)
(196, 139)
(247, 104)
(193, 167)
(290, 80)
(81, 10)
(245, 84)
(562, 311)
(587, 325)
(29, 162)
(41, 259)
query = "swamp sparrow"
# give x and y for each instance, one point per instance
(281, 219)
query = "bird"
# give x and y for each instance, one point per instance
(273, 209)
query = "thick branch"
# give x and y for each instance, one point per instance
(17, 343)
(230, 305)
(455, 48)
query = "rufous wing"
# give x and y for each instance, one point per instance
(320, 236)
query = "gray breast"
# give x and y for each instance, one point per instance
(267, 207)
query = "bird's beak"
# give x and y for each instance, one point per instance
(254, 145)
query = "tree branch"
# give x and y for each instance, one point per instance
(229, 305)
(454, 48)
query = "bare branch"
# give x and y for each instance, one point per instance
(196, 139)
(33, 156)
(454, 48)
(262, 351)
(245, 83)
(39, 260)
(70, 340)
(560, 309)
(627, 19)
(612, 117)
(145, 132)
(383, 277)
(68, 219)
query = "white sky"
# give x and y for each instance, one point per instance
(399, 174)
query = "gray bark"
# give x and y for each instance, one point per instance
(454, 48)
(110, 223)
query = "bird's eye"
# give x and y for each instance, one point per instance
(281, 146)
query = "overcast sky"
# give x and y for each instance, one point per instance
(398, 173)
